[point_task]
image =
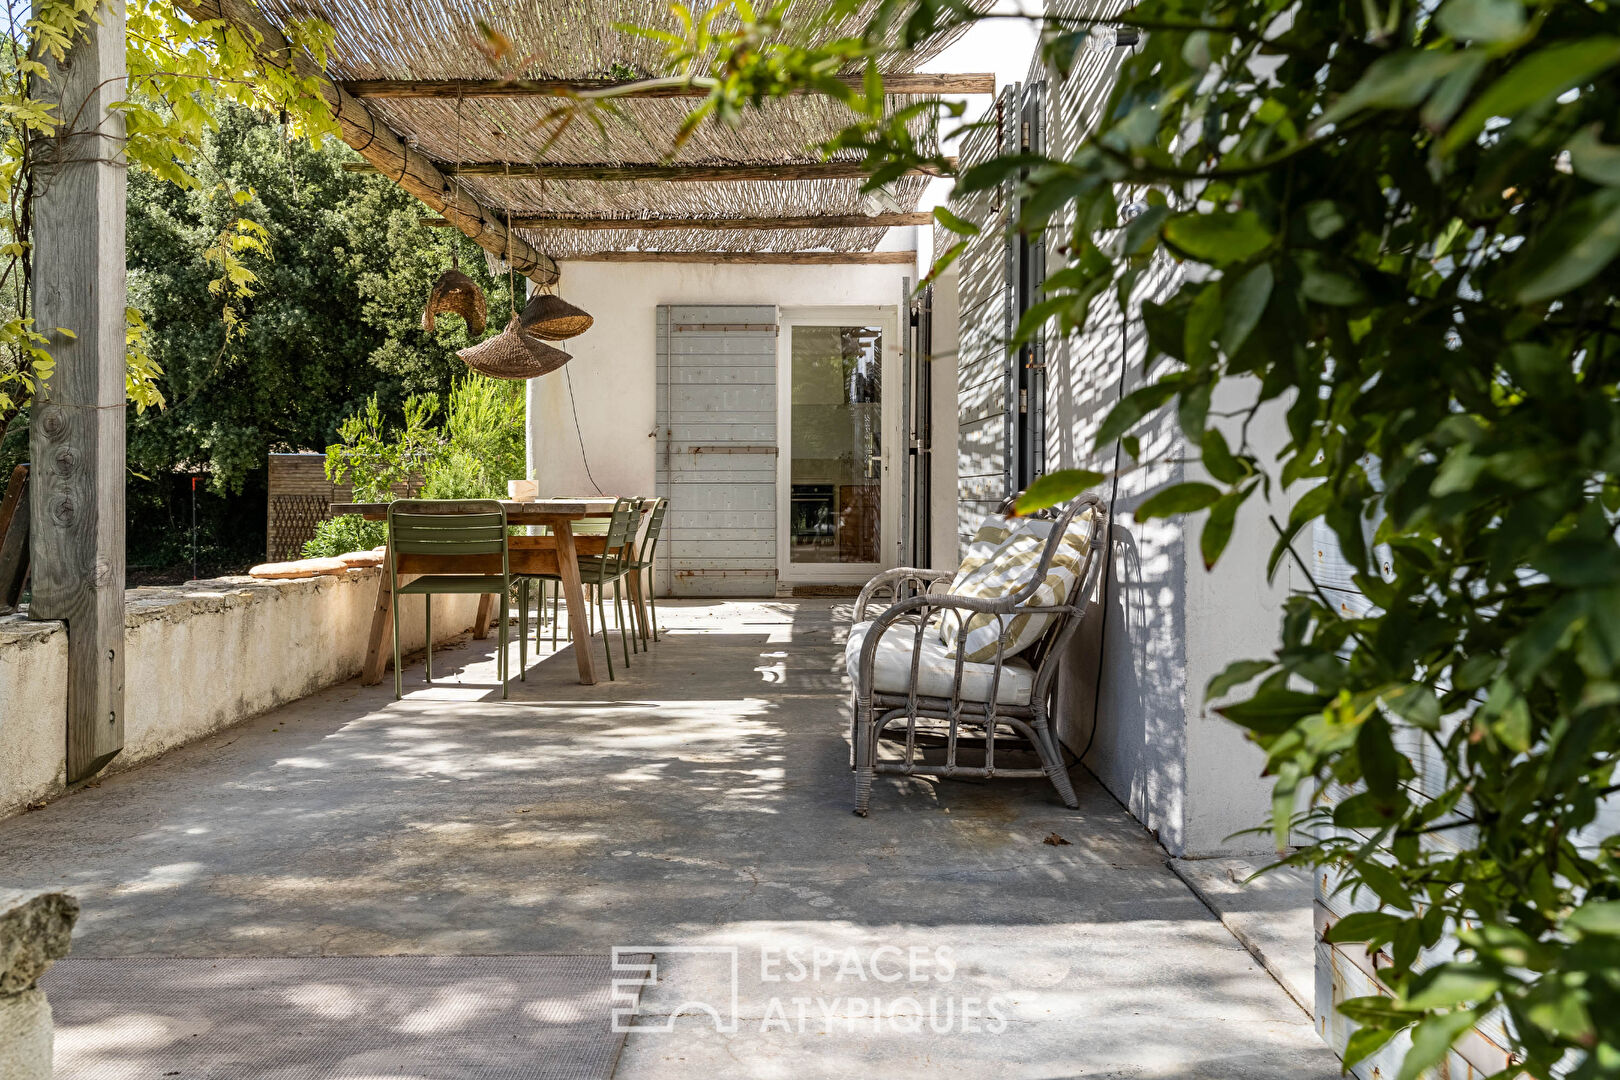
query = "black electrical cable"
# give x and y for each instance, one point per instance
(1108, 551)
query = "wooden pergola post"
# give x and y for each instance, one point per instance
(76, 436)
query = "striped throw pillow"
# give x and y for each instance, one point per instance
(1007, 570)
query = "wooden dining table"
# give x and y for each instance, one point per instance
(556, 554)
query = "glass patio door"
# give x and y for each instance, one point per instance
(835, 467)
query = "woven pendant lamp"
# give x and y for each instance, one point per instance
(513, 354)
(457, 294)
(551, 317)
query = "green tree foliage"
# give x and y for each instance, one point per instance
(477, 449)
(1401, 221)
(330, 317)
(178, 69)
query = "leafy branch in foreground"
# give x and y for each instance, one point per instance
(180, 72)
(1403, 224)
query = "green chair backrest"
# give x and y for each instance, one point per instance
(622, 525)
(447, 527)
(655, 525)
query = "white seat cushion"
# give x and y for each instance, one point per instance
(892, 667)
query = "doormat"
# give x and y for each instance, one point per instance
(338, 1017)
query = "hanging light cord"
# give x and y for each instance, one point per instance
(579, 433)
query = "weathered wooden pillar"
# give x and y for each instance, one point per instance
(76, 437)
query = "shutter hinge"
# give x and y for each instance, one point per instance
(1023, 400)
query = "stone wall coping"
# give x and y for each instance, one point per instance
(208, 596)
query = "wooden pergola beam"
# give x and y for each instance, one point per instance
(760, 224)
(926, 85)
(817, 170)
(767, 258)
(384, 151)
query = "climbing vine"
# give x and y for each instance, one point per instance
(1400, 223)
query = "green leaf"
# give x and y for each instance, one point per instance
(1246, 301)
(1236, 674)
(1307, 508)
(1431, 1039)
(991, 173)
(1380, 764)
(1178, 499)
(1219, 238)
(1574, 248)
(1326, 285)
(1593, 159)
(1274, 709)
(1363, 926)
(1057, 487)
(1482, 20)
(1218, 458)
(957, 225)
(1218, 527)
(1133, 407)
(1448, 984)
(1543, 74)
(1578, 563)
(1416, 704)
(1366, 1041)
(1399, 81)
(1600, 917)
(1322, 218)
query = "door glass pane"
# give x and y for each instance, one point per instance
(837, 466)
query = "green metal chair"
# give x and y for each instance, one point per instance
(643, 562)
(466, 540)
(598, 572)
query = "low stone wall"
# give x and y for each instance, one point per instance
(197, 658)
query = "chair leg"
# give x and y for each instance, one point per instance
(865, 756)
(555, 597)
(652, 602)
(638, 605)
(1052, 760)
(399, 682)
(607, 643)
(630, 610)
(523, 629)
(618, 616)
(427, 607)
(504, 668)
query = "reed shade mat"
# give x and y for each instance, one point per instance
(456, 294)
(338, 1017)
(513, 354)
(549, 316)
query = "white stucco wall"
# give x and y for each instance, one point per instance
(197, 658)
(614, 367)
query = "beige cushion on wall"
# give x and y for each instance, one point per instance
(1007, 569)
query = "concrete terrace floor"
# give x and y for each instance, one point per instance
(703, 799)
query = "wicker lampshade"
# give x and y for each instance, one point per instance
(550, 316)
(513, 354)
(457, 294)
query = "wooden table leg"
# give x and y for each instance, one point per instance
(379, 649)
(486, 603)
(574, 594)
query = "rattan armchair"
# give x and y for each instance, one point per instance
(1008, 699)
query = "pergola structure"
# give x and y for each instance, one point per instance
(421, 99)
(418, 98)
